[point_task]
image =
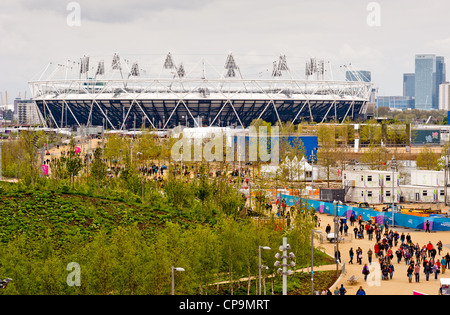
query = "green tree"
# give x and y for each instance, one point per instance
(73, 163)
(427, 159)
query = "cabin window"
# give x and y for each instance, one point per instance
(369, 193)
(424, 193)
(388, 178)
(369, 178)
(388, 193)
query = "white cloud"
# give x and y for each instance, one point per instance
(34, 32)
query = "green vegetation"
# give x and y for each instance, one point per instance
(126, 229)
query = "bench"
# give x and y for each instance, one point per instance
(353, 280)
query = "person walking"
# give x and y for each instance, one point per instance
(409, 273)
(417, 272)
(427, 227)
(369, 256)
(365, 272)
(336, 291)
(360, 291)
(351, 253)
(427, 270)
(391, 270)
(439, 247)
(443, 264)
(342, 290)
(436, 269)
(399, 254)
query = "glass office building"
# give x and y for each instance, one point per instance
(395, 102)
(429, 74)
(409, 82)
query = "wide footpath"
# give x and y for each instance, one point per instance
(399, 285)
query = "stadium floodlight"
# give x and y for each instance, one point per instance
(134, 70)
(168, 63)
(100, 68)
(84, 64)
(116, 62)
(180, 71)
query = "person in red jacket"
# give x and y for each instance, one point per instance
(429, 248)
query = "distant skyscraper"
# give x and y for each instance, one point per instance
(429, 74)
(409, 85)
(360, 75)
(444, 96)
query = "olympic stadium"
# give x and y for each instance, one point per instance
(118, 94)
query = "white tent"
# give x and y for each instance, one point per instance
(296, 169)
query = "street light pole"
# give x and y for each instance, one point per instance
(259, 264)
(336, 234)
(173, 277)
(312, 259)
(284, 271)
(393, 165)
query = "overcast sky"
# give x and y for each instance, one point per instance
(36, 32)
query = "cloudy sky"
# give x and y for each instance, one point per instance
(36, 32)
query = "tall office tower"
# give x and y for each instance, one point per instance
(444, 96)
(409, 84)
(430, 73)
(440, 77)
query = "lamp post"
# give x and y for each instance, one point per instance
(260, 265)
(312, 259)
(393, 167)
(336, 233)
(284, 271)
(173, 277)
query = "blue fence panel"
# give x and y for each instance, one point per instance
(436, 222)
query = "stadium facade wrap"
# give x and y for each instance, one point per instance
(130, 100)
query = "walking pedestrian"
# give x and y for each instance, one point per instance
(417, 272)
(443, 264)
(427, 227)
(409, 273)
(342, 290)
(369, 256)
(391, 271)
(365, 272)
(439, 247)
(427, 270)
(436, 269)
(360, 291)
(399, 254)
(336, 291)
(351, 253)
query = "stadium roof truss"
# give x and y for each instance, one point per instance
(239, 102)
(163, 103)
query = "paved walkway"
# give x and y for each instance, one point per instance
(399, 285)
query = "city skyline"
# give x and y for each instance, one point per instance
(33, 33)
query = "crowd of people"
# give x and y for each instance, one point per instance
(390, 247)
